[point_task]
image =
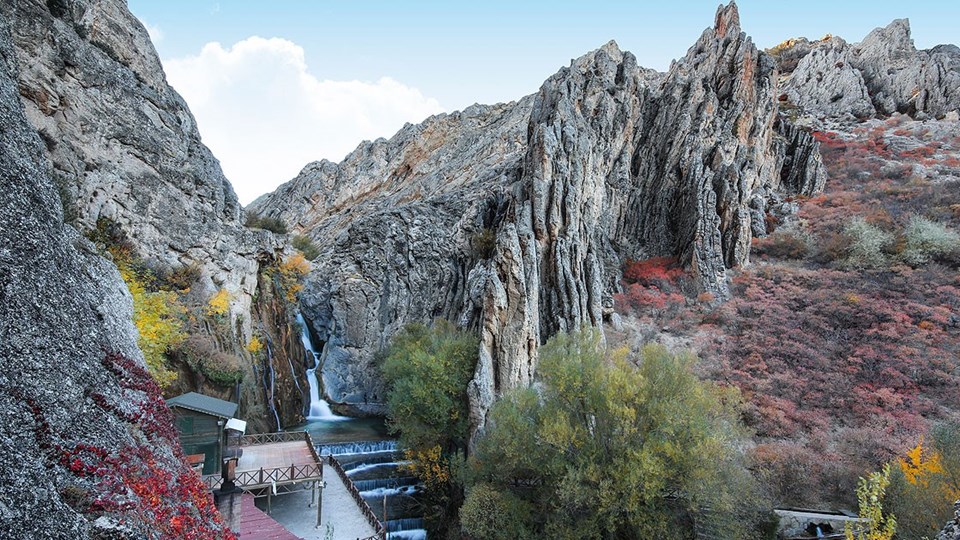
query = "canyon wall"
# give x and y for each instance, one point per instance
(514, 220)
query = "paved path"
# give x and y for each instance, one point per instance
(339, 511)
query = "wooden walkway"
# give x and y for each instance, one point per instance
(257, 525)
(339, 511)
(284, 468)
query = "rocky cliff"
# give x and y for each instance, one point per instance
(881, 75)
(515, 219)
(125, 148)
(84, 435)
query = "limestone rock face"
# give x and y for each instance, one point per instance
(400, 224)
(124, 146)
(515, 219)
(885, 69)
(62, 309)
(825, 80)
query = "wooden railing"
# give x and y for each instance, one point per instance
(260, 478)
(381, 530)
(279, 437)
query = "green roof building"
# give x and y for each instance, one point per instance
(200, 420)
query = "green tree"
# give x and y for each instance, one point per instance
(426, 371)
(602, 448)
(489, 514)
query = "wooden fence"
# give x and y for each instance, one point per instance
(287, 474)
(365, 509)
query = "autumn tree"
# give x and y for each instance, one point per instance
(874, 524)
(603, 448)
(925, 482)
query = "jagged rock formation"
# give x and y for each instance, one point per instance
(63, 413)
(826, 80)
(400, 224)
(883, 74)
(515, 219)
(951, 531)
(125, 147)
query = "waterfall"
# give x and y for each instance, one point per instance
(364, 486)
(319, 408)
(406, 524)
(359, 447)
(370, 466)
(270, 387)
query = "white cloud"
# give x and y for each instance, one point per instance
(265, 115)
(156, 34)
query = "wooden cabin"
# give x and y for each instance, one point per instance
(200, 423)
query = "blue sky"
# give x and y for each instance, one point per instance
(418, 58)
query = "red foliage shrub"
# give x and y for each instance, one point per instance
(651, 286)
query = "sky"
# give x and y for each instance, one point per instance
(277, 84)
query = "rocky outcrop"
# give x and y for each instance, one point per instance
(825, 80)
(77, 423)
(125, 147)
(400, 224)
(515, 219)
(951, 531)
(883, 74)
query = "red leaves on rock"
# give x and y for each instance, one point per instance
(143, 482)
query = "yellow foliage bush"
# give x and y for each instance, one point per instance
(429, 466)
(157, 316)
(920, 464)
(290, 273)
(219, 304)
(255, 345)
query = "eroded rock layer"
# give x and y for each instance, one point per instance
(515, 219)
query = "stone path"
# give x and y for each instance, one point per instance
(339, 511)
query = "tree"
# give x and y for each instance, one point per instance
(924, 484)
(489, 514)
(874, 525)
(426, 371)
(606, 449)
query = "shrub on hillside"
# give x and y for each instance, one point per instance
(484, 242)
(781, 245)
(274, 225)
(305, 246)
(182, 278)
(926, 240)
(203, 356)
(867, 244)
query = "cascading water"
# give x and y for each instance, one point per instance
(319, 408)
(376, 469)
